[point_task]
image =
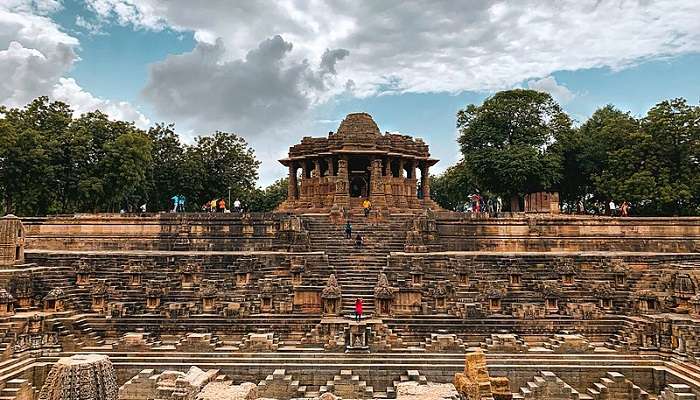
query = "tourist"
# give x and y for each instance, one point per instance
(611, 205)
(348, 230)
(358, 241)
(499, 204)
(212, 206)
(181, 203)
(358, 309)
(237, 206)
(222, 205)
(143, 207)
(175, 200)
(367, 206)
(624, 209)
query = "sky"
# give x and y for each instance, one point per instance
(275, 71)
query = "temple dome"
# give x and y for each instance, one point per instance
(358, 124)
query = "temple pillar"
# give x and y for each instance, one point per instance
(425, 181)
(304, 185)
(411, 187)
(292, 194)
(388, 182)
(316, 184)
(342, 194)
(403, 200)
(329, 186)
(376, 194)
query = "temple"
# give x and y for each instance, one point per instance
(208, 306)
(358, 162)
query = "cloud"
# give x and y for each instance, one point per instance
(68, 91)
(549, 84)
(252, 96)
(34, 52)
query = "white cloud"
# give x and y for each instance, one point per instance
(550, 85)
(34, 53)
(417, 46)
(68, 91)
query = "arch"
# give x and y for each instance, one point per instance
(359, 187)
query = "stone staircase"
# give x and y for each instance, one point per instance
(357, 270)
(615, 386)
(548, 386)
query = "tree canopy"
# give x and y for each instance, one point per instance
(520, 141)
(51, 162)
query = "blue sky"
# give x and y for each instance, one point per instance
(276, 73)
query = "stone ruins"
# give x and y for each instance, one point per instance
(532, 305)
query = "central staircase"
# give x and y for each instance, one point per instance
(357, 270)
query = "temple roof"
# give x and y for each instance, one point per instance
(359, 134)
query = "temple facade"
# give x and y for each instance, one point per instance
(355, 163)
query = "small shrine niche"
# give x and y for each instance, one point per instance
(12, 238)
(619, 271)
(208, 294)
(515, 278)
(83, 273)
(266, 296)
(244, 271)
(552, 304)
(605, 292)
(416, 271)
(492, 295)
(461, 270)
(297, 268)
(22, 286)
(647, 301)
(551, 294)
(566, 270)
(188, 275)
(7, 303)
(440, 294)
(153, 295)
(606, 303)
(54, 301)
(331, 297)
(495, 304)
(683, 289)
(135, 274)
(383, 295)
(463, 278)
(99, 293)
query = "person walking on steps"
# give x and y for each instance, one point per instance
(348, 230)
(358, 241)
(358, 309)
(367, 206)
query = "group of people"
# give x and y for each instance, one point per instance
(348, 235)
(612, 209)
(219, 205)
(478, 204)
(178, 202)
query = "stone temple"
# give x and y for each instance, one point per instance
(259, 305)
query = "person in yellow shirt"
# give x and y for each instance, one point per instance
(367, 206)
(212, 206)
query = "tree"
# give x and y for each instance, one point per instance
(269, 198)
(166, 172)
(216, 163)
(585, 154)
(506, 142)
(126, 163)
(452, 188)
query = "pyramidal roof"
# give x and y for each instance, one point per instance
(358, 124)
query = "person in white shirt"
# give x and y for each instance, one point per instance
(237, 205)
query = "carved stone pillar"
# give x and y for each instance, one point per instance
(292, 194)
(425, 182)
(388, 182)
(342, 195)
(412, 186)
(403, 201)
(377, 190)
(316, 184)
(304, 185)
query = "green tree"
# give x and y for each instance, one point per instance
(166, 172)
(452, 188)
(126, 164)
(506, 142)
(215, 163)
(268, 199)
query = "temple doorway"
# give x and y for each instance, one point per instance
(358, 186)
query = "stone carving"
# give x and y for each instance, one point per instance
(81, 377)
(474, 383)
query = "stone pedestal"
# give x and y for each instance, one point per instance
(81, 377)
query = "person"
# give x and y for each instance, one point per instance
(205, 207)
(612, 208)
(237, 205)
(348, 230)
(358, 241)
(624, 209)
(143, 207)
(181, 203)
(499, 204)
(222, 205)
(367, 206)
(358, 309)
(212, 206)
(175, 199)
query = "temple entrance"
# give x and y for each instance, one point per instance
(359, 176)
(358, 186)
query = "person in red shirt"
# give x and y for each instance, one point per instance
(358, 309)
